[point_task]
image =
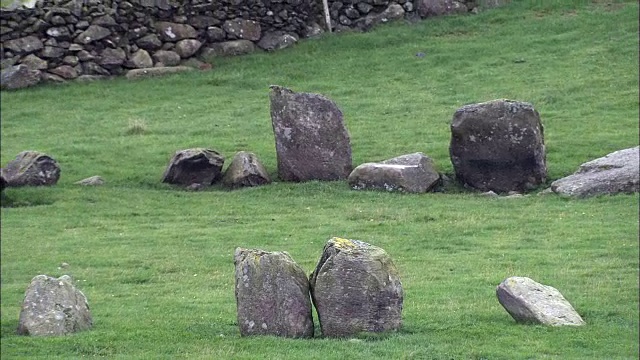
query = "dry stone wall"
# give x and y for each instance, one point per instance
(59, 40)
(66, 39)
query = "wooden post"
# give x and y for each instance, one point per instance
(327, 16)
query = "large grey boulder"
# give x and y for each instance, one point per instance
(618, 172)
(428, 8)
(167, 57)
(272, 295)
(156, 71)
(194, 166)
(31, 168)
(18, 77)
(530, 302)
(53, 307)
(312, 142)
(245, 170)
(93, 33)
(227, 48)
(24, 45)
(413, 173)
(356, 288)
(276, 40)
(174, 31)
(187, 47)
(392, 12)
(242, 29)
(498, 146)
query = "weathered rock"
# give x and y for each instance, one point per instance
(530, 302)
(65, 72)
(141, 59)
(427, 8)
(53, 307)
(70, 60)
(499, 146)
(166, 57)
(242, 29)
(34, 63)
(215, 34)
(91, 68)
(173, 31)
(312, 142)
(413, 173)
(93, 33)
(110, 58)
(31, 168)
(227, 48)
(355, 288)
(187, 47)
(18, 77)
(52, 78)
(202, 166)
(59, 33)
(272, 295)
(618, 172)
(51, 52)
(245, 170)
(149, 42)
(25, 45)
(91, 181)
(276, 40)
(156, 71)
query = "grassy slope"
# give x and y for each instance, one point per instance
(157, 267)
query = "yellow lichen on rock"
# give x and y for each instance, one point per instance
(343, 243)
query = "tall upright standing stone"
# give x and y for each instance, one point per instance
(312, 142)
(498, 146)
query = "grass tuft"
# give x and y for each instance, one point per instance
(137, 126)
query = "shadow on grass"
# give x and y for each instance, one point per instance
(24, 199)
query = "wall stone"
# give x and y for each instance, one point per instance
(69, 39)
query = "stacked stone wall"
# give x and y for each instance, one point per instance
(59, 40)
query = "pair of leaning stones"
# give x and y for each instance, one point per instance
(356, 289)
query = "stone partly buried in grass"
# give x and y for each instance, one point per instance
(412, 173)
(272, 295)
(245, 170)
(618, 172)
(53, 307)
(530, 302)
(356, 288)
(194, 166)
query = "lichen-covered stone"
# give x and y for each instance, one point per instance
(312, 141)
(272, 295)
(618, 172)
(53, 307)
(356, 288)
(530, 302)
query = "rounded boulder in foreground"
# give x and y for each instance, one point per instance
(356, 288)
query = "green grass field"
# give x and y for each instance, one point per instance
(156, 262)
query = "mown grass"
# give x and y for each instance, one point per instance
(156, 262)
